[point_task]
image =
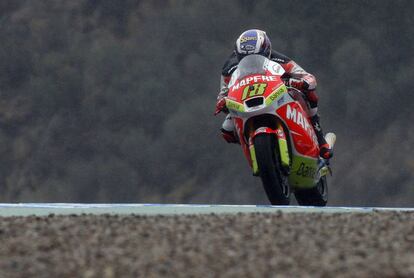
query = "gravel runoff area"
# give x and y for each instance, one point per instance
(378, 244)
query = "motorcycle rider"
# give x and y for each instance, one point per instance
(257, 42)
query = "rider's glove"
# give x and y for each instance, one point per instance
(221, 101)
(221, 106)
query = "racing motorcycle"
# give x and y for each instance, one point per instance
(275, 133)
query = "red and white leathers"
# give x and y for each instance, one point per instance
(297, 78)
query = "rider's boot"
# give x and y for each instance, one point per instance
(228, 131)
(229, 136)
(324, 150)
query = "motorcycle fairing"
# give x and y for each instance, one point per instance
(238, 100)
(305, 152)
(270, 97)
(304, 157)
(239, 125)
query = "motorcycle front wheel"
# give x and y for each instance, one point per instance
(274, 181)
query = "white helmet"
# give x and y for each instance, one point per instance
(253, 42)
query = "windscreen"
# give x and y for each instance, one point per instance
(252, 64)
(255, 64)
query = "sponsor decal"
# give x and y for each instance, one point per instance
(298, 118)
(272, 97)
(277, 92)
(254, 79)
(232, 105)
(246, 39)
(274, 68)
(279, 60)
(281, 101)
(306, 171)
(248, 47)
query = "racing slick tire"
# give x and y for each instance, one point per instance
(315, 196)
(274, 181)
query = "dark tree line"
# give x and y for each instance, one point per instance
(112, 101)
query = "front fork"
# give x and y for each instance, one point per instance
(282, 147)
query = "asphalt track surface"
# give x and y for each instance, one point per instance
(44, 209)
(211, 241)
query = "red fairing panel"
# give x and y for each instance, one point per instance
(245, 145)
(304, 137)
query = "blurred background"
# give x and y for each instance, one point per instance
(113, 101)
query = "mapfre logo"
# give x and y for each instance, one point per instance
(298, 118)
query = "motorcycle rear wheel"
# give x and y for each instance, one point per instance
(274, 181)
(316, 196)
